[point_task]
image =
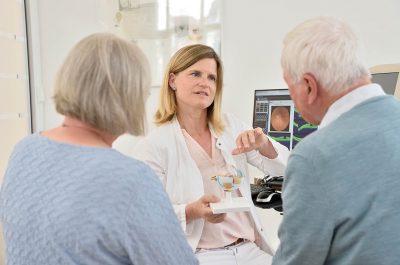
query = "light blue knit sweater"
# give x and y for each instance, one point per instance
(68, 204)
(341, 197)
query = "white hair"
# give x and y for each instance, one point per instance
(327, 48)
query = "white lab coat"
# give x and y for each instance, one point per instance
(166, 152)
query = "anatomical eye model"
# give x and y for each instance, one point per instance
(229, 182)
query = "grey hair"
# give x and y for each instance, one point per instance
(327, 48)
(105, 81)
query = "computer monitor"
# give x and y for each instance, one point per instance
(275, 113)
(388, 76)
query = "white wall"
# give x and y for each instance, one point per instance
(253, 31)
(251, 43)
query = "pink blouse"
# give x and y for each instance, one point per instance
(236, 224)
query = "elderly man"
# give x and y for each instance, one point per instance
(341, 193)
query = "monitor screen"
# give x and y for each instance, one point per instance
(387, 81)
(275, 113)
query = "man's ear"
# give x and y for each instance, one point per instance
(313, 88)
(171, 80)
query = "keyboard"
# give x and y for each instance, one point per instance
(273, 182)
(256, 189)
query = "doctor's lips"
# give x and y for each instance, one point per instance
(201, 93)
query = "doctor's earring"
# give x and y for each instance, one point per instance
(173, 88)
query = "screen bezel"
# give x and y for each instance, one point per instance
(387, 69)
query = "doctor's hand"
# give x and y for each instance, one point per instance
(201, 209)
(254, 139)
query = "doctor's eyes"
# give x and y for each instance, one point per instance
(209, 77)
(195, 74)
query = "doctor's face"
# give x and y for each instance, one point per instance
(195, 86)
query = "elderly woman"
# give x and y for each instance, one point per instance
(195, 141)
(67, 196)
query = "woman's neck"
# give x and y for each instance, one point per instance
(74, 131)
(196, 125)
(193, 123)
(80, 127)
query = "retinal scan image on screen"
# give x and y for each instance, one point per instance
(275, 113)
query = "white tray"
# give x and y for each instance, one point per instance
(238, 204)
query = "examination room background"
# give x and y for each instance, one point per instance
(252, 33)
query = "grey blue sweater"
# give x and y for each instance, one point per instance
(69, 204)
(341, 195)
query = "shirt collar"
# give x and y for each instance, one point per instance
(350, 100)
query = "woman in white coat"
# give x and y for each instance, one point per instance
(194, 141)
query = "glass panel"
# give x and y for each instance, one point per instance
(15, 120)
(161, 27)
